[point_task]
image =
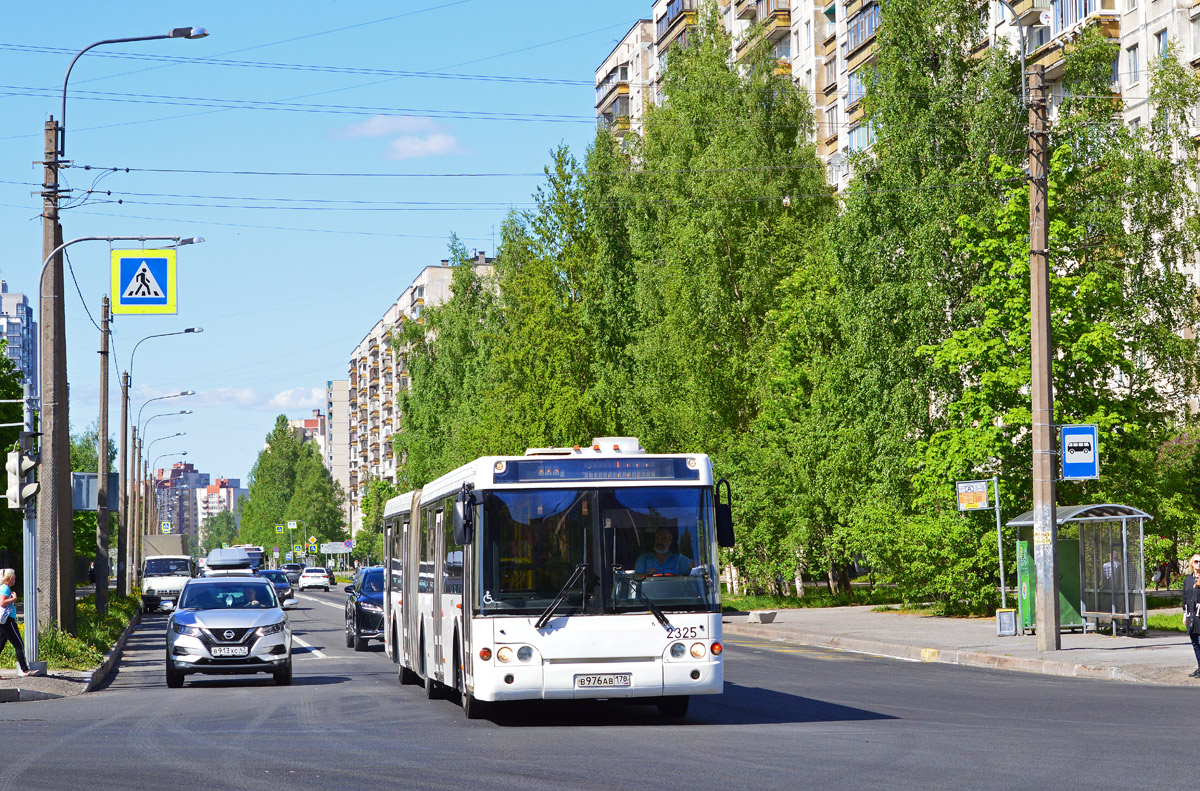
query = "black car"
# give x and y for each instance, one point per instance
(279, 578)
(364, 608)
(293, 572)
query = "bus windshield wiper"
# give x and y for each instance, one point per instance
(575, 575)
(650, 605)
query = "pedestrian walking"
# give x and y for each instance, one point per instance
(9, 633)
(1191, 608)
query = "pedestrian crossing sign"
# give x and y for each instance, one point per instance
(278, 528)
(143, 281)
(165, 527)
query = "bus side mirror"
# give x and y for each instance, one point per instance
(724, 515)
(464, 517)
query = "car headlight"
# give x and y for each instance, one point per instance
(151, 591)
(274, 628)
(366, 605)
(188, 631)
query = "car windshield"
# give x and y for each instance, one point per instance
(231, 595)
(274, 575)
(168, 567)
(314, 571)
(372, 582)
(635, 543)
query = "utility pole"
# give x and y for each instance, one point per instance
(1045, 524)
(123, 586)
(101, 561)
(56, 545)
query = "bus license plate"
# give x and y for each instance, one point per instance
(232, 650)
(603, 680)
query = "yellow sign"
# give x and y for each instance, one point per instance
(143, 281)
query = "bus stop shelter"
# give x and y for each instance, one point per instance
(1101, 567)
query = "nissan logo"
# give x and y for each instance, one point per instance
(229, 633)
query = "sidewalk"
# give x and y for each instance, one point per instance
(1159, 658)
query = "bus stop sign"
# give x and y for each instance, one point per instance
(1080, 453)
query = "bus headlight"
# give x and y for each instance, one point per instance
(678, 650)
(524, 653)
(504, 654)
(698, 650)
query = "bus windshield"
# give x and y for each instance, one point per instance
(635, 543)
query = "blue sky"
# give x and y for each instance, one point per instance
(296, 269)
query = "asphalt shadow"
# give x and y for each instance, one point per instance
(738, 705)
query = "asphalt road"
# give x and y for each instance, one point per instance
(791, 717)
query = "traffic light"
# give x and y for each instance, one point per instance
(20, 462)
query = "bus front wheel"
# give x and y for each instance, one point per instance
(673, 707)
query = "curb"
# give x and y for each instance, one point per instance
(110, 659)
(945, 656)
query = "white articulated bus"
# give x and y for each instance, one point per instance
(563, 573)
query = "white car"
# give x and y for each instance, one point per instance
(314, 577)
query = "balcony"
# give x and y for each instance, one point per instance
(1100, 13)
(1028, 11)
(615, 82)
(744, 9)
(681, 14)
(776, 18)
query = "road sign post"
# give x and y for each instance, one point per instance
(973, 496)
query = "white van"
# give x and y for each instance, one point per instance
(163, 577)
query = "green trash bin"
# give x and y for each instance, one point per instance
(1068, 585)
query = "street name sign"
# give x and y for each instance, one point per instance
(1079, 446)
(143, 281)
(972, 495)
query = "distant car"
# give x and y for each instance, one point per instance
(314, 577)
(229, 625)
(364, 608)
(283, 586)
(293, 571)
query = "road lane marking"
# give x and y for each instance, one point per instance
(320, 601)
(314, 651)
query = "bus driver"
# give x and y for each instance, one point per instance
(661, 560)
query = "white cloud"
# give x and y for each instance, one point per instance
(413, 146)
(384, 125)
(298, 398)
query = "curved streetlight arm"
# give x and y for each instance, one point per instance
(159, 335)
(1021, 35)
(154, 465)
(179, 32)
(138, 422)
(142, 426)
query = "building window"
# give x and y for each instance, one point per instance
(808, 33)
(1160, 42)
(862, 26)
(1134, 64)
(861, 136)
(1130, 5)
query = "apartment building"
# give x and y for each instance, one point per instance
(175, 494)
(377, 374)
(337, 435)
(20, 331)
(311, 429)
(216, 498)
(623, 81)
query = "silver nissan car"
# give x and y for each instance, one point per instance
(229, 625)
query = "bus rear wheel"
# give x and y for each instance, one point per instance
(673, 707)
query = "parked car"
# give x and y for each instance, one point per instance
(229, 625)
(278, 578)
(314, 577)
(293, 571)
(364, 608)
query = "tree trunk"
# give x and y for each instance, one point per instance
(799, 584)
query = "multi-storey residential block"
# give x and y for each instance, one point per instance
(19, 331)
(311, 429)
(175, 495)
(217, 498)
(377, 373)
(337, 434)
(623, 86)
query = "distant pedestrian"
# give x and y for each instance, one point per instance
(9, 633)
(1191, 608)
(92, 572)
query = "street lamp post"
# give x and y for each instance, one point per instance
(141, 515)
(53, 558)
(127, 550)
(158, 507)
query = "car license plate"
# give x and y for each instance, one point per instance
(230, 650)
(603, 680)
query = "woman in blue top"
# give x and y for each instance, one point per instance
(9, 633)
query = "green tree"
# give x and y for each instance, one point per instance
(85, 457)
(271, 485)
(218, 529)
